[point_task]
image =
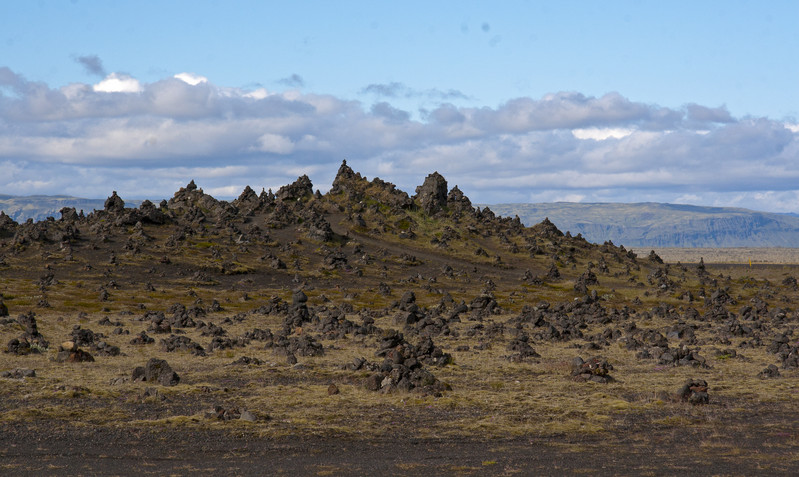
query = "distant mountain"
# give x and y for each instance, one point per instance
(39, 207)
(662, 225)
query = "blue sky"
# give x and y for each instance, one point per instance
(692, 102)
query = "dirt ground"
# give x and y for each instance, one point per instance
(48, 449)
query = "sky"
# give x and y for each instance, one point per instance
(513, 101)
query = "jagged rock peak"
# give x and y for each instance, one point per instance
(266, 197)
(432, 195)
(191, 185)
(547, 229)
(356, 188)
(456, 199)
(247, 196)
(5, 220)
(299, 189)
(114, 203)
(344, 176)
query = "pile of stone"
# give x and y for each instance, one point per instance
(223, 342)
(771, 371)
(694, 391)
(303, 345)
(521, 346)
(595, 369)
(156, 371)
(682, 356)
(402, 368)
(142, 339)
(247, 361)
(181, 343)
(233, 413)
(69, 352)
(483, 306)
(31, 341)
(333, 323)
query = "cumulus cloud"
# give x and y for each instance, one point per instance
(191, 78)
(701, 113)
(118, 83)
(146, 140)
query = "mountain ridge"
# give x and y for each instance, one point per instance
(653, 224)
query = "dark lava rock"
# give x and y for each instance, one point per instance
(157, 371)
(432, 194)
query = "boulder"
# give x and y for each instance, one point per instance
(159, 371)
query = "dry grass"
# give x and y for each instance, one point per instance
(491, 396)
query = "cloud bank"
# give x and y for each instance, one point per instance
(147, 139)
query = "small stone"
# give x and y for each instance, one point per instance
(248, 416)
(332, 390)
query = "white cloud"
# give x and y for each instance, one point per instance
(259, 93)
(191, 78)
(274, 143)
(118, 83)
(600, 134)
(224, 191)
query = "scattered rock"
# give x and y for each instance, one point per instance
(19, 373)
